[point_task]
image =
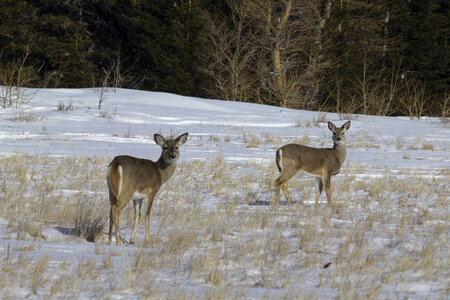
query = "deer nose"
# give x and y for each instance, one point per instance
(338, 138)
(172, 156)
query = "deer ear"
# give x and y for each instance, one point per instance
(346, 126)
(331, 126)
(181, 139)
(159, 139)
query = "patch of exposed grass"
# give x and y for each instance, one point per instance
(319, 120)
(426, 146)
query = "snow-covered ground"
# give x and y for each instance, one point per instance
(128, 119)
(381, 209)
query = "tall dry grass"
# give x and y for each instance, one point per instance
(217, 232)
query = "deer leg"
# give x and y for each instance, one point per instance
(116, 213)
(110, 226)
(327, 183)
(319, 188)
(137, 216)
(148, 204)
(286, 193)
(277, 191)
(112, 201)
(282, 181)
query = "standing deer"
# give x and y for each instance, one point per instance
(131, 178)
(321, 163)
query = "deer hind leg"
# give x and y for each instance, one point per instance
(137, 202)
(110, 226)
(319, 188)
(282, 181)
(277, 191)
(116, 208)
(112, 200)
(114, 180)
(286, 193)
(116, 213)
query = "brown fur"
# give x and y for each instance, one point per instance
(140, 180)
(319, 162)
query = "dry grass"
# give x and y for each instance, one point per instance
(38, 279)
(367, 142)
(29, 117)
(65, 106)
(218, 230)
(108, 115)
(252, 140)
(319, 120)
(89, 220)
(350, 117)
(427, 147)
(52, 192)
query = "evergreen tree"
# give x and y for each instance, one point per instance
(358, 47)
(16, 27)
(63, 43)
(165, 45)
(423, 26)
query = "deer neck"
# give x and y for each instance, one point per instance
(165, 169)
(341, 152)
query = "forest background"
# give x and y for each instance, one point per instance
(381, 57)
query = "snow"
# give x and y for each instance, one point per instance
(125, 124)
(139, 114)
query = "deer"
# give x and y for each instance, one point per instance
(131, 178)
(321, 163)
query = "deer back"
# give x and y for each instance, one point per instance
(130, 174)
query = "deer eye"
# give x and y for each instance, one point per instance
(176, 148)
(165, 148)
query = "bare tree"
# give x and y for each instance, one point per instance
(114, 76)
(120, 76)
(104, 82)
(444, 108)
(289, 49)
(230, 49)
(15, 75)
(413, 103)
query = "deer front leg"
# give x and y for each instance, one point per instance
(326, 181)
(319, 188)
(148, 204)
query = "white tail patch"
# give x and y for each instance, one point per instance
(120, 182)
(281, 159)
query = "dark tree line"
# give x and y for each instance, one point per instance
(385, 57)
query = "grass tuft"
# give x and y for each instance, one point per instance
(88, 223)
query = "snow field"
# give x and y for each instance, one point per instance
(213, 231)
